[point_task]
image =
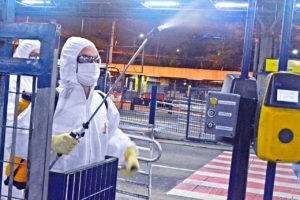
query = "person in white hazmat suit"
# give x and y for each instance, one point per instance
(26, 49)
(77, 100)
(79, 72)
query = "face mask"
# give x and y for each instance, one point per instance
(88, 73)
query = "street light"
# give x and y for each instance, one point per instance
(36, 2)
(295, 51)
(142, 35)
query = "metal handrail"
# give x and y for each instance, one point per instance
(147, 139)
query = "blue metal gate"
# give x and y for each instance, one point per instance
(196, 107)
(96, 181)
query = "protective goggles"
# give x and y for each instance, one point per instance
(88, 59)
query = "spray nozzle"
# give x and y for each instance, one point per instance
(156, 30)
(153, 32)
(163, 26)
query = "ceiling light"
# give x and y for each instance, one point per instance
(39, 2)
(236, 5)
(161, 4)
(230, 5)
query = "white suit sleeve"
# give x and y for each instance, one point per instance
(118, 144)
(113, 116)
(118, 141)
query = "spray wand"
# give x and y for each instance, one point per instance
(79, 133)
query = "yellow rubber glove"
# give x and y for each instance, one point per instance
(132, 163)
(23, 104)
(63, 143)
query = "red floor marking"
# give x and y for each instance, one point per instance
(250, 175)
(214, 182)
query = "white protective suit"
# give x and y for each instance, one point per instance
(118, 140)
(73, 109)
(23, 51)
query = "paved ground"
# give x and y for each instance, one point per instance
(179, 160)
(211, 181)
(200, 171)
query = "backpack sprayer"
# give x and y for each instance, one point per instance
(79, 133)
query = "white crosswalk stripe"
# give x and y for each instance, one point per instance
(211, 181)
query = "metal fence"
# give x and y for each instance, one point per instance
(196, 108)
(37, 130)
(179, 113)
(149, 152)
(97, 181)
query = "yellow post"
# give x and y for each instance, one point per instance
(189, 90)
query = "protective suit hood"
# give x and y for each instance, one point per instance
(68, 60)
(26, 47)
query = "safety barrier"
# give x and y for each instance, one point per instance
(96, 181)
(195, 118)
(182, 117)
(147, 155)
(42, 73)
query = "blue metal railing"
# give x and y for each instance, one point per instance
(248, 38)
(96, 181)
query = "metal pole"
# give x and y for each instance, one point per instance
(248, 38)
(31, 126)
(113, 26)
(286, 30)
(14, 138)
(269, 183)
(153, 105)
(150, 181)
(10, 15)
(142, 64)
(240, 155)
(288, 14)
(255, 59)
(82, 24)
(7, 51)
(39, 143)
(4, 82)
(188, 115)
